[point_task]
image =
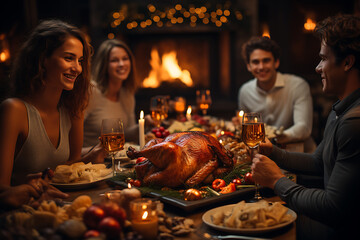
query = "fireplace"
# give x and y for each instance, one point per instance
(204, 38)
(200, 56)
(194, 53)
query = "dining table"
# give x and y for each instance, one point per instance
(201, 230)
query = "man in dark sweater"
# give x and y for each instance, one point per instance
(337, 158)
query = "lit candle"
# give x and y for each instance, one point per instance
(188, 113)
(129, 194)
(141, 130)
(144, 218)
(241, 114)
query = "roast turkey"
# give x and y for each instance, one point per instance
(181, 159)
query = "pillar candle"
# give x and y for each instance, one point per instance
(144, 218)
(148, 228)
(129, 194)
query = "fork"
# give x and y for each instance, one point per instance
(208, 236)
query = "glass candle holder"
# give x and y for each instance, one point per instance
(179, 107)
(113, 196)
(144, 219)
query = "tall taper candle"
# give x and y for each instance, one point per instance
(141, 130)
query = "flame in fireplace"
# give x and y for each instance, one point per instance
(165, 69)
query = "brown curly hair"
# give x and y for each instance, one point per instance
(28, 70)
(342, 34)
(263, 43)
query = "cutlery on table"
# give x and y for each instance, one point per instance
(208, 236)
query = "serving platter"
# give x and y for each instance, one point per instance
(188, 206)
(208, 221)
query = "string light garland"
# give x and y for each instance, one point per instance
(134, 17)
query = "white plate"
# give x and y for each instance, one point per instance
(207, 220)
(80, 185)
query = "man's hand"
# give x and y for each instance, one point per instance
(266, 147)
(265, 171)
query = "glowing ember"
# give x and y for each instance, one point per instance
(165, 69)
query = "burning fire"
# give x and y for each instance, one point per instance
(165, 69)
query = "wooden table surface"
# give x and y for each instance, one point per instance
(286, 233)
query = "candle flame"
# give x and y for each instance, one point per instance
(142, 114)
(255, 119)
(241, 113)
(266, 31)
(309, 25)
(188, 111)
(129, 185)
(145, 215)
(4, 55)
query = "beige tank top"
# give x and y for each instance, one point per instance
(37, 152)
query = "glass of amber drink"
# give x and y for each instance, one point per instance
(253, 133)
(113, 139)
(159, 109)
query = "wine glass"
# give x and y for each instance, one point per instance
(113, 139)
(159, 109)
(203, 100)
(179, 106)
(253, 133)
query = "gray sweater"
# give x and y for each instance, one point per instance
(337, 160)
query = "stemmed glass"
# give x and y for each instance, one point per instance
(159, 109)
(203, 100)
(179, 106)
(253, 133)
(113, 139)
